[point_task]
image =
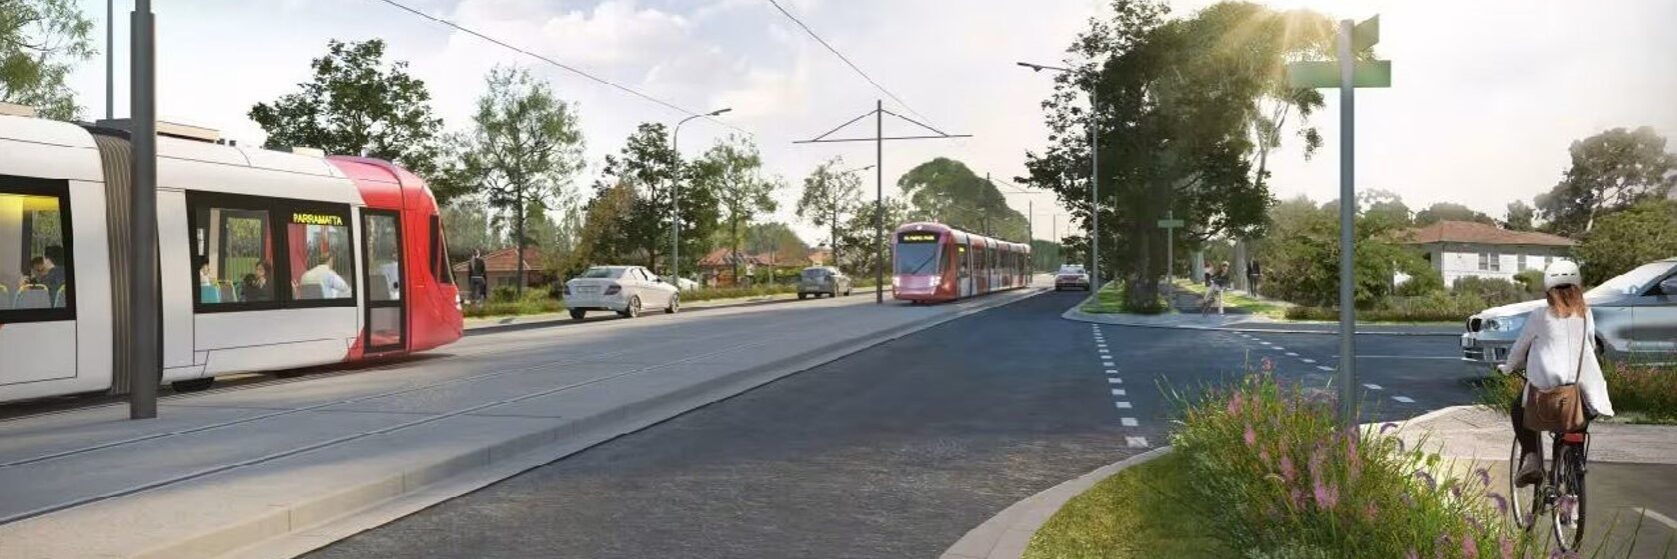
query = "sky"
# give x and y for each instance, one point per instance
(1486, 94)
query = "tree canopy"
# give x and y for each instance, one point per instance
(1450, 211)
(831, 194)
(40, 42)
(947, 191)
(637, 189)
(732, 171)
(358, 104)
(1610, 171)
(1626, 239)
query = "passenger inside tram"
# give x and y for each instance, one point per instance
(256, 285)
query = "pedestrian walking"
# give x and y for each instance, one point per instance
(1254, 272)
(478, 272)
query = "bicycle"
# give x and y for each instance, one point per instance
(1560, 493)
(1213, 297)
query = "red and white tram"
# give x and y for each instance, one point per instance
(936, 262)
(269, 260)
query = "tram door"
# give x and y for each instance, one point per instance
(385, 279)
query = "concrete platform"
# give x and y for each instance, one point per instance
(276, 469)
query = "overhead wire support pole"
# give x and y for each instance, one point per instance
(878, 113)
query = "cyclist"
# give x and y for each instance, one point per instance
(1215, 284)
(1553, 349)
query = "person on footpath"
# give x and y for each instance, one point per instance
(478, 274)
(1254, 272)
(1556, 350)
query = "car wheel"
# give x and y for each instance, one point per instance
(192, 385)
(633, 309)
(802, 295)
(578, 314)
(832, 293)
(675, 304)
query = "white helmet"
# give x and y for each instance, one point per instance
(1562, 272)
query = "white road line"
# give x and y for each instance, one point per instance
(1114, 380)
(1118, 392)
(1100, 345)
(1278, 348)
(1122, 405)
(1404, 399)
(1136, 442)
(1264, 342)
(1657, 517)
(1128, 422)
(1108, 364)
(1103, 350)
(1324, 367)
(1112, 371)
(1307, 360)
(1292, 354)
(1372, 386)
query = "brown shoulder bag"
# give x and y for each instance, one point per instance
(1560, 409)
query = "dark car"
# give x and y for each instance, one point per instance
(822, 280)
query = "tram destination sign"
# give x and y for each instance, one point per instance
(917, 237)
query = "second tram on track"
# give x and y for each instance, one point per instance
(935, 262)
(269, 260)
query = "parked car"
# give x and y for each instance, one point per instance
(621, 289)
(682, 284)
(1071, 275)
(1635, 318)
(818, 280)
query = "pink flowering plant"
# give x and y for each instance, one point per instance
(1276, 472)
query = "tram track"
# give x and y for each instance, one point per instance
(536, 367)
(759, 342)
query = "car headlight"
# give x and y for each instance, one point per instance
(1505, 324)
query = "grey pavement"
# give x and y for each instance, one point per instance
(232, 467)
(896, 451)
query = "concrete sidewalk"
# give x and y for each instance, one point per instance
(277, 469)
(1477, 433)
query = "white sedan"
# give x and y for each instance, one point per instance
(621, 289)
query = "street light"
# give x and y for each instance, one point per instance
(1094, 176)
(832, 224)
(675, 198)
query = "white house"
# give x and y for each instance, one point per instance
(1459, 249)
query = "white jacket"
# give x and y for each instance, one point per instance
(1548, 349)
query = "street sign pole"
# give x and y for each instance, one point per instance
(1347, 239)
(1170, 224)
(145, 354)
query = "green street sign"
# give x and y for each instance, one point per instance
(1171, 223)
(1365, 34)
(1319, 75)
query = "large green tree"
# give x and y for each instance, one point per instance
(831, 194)
(1520, 216)
(1450, 211)
(1610, 171)
(40, 42)
(947, 191)
(1300, 253)
(732, 170)
(359, 104)
(653, 176)
(524, 149)
(1626, 239)
(1184, 114)
(866, 247)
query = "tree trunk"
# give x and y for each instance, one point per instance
(518, 228)
(832, 235)
(734, 246)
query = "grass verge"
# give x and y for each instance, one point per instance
(1231, 299)
(1640, 393)
(1137, 513)
(1113, 298)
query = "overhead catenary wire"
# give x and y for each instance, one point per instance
(563, 66)
(847, 62)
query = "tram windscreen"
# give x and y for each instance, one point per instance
(917, 253)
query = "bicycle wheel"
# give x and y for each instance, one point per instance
(1524, 503)
(1568, 513)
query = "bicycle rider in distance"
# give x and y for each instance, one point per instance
(1554, 349)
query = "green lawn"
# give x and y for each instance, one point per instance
(1137, 513)
(1271, 309)
(1108, 300)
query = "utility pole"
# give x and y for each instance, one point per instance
(675, 200)
(1347, 74)
(145, 356)
(879, 140)
(110, 59)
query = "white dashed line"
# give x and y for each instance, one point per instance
(1122, 405)
(1118, 392)
(1128, 422)
(1292, 354)
(1100, 345)
(1136, 442)
(1104, 350)
(1307, 360)
(1114, 380)
(1278, 348)
(1108, 364)
(1264, 342)
(1112, 371)
(1404, 399)
(1372, 386)
(1324, 367)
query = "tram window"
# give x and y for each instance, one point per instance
(233, 255)
(35, 260)
(320, 258)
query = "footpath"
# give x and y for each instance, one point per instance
(488, 324)
(1185, 315)
(279, 468)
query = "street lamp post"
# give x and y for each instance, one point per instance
(1094, 176)
(675, 198)
(832, 222)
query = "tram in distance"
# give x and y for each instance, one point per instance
(269, 260)
(934, 262)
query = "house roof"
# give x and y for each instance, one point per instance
(505, 260)
(1481, 233)
(724, 257)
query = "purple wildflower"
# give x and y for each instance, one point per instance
(1426, 477)
(1234, 404)
(1387, 426)
(1484, 476)
(1263, 456)
(1455, 490)
(1297, 497)
(1500, 501)
(1470, 548)
(1370, 511)
(1327, 495)
(1268, 364)
(1507, 546)
(1251, 436)
(1288, 472)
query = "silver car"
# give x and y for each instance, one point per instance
(822, 280)
(1635, 316)
(622, 289)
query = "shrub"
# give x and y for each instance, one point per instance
(1280, 478)
(1640, 393)
(1532, 280)
(1494, 292)
(1432, 307)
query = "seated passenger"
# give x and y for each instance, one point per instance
(325, 275)
(42, 271)
(256, 286)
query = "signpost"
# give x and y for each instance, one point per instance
(1170, 225)
(1351, 74)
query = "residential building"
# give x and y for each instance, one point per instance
(502, 268)
(1459, 249)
